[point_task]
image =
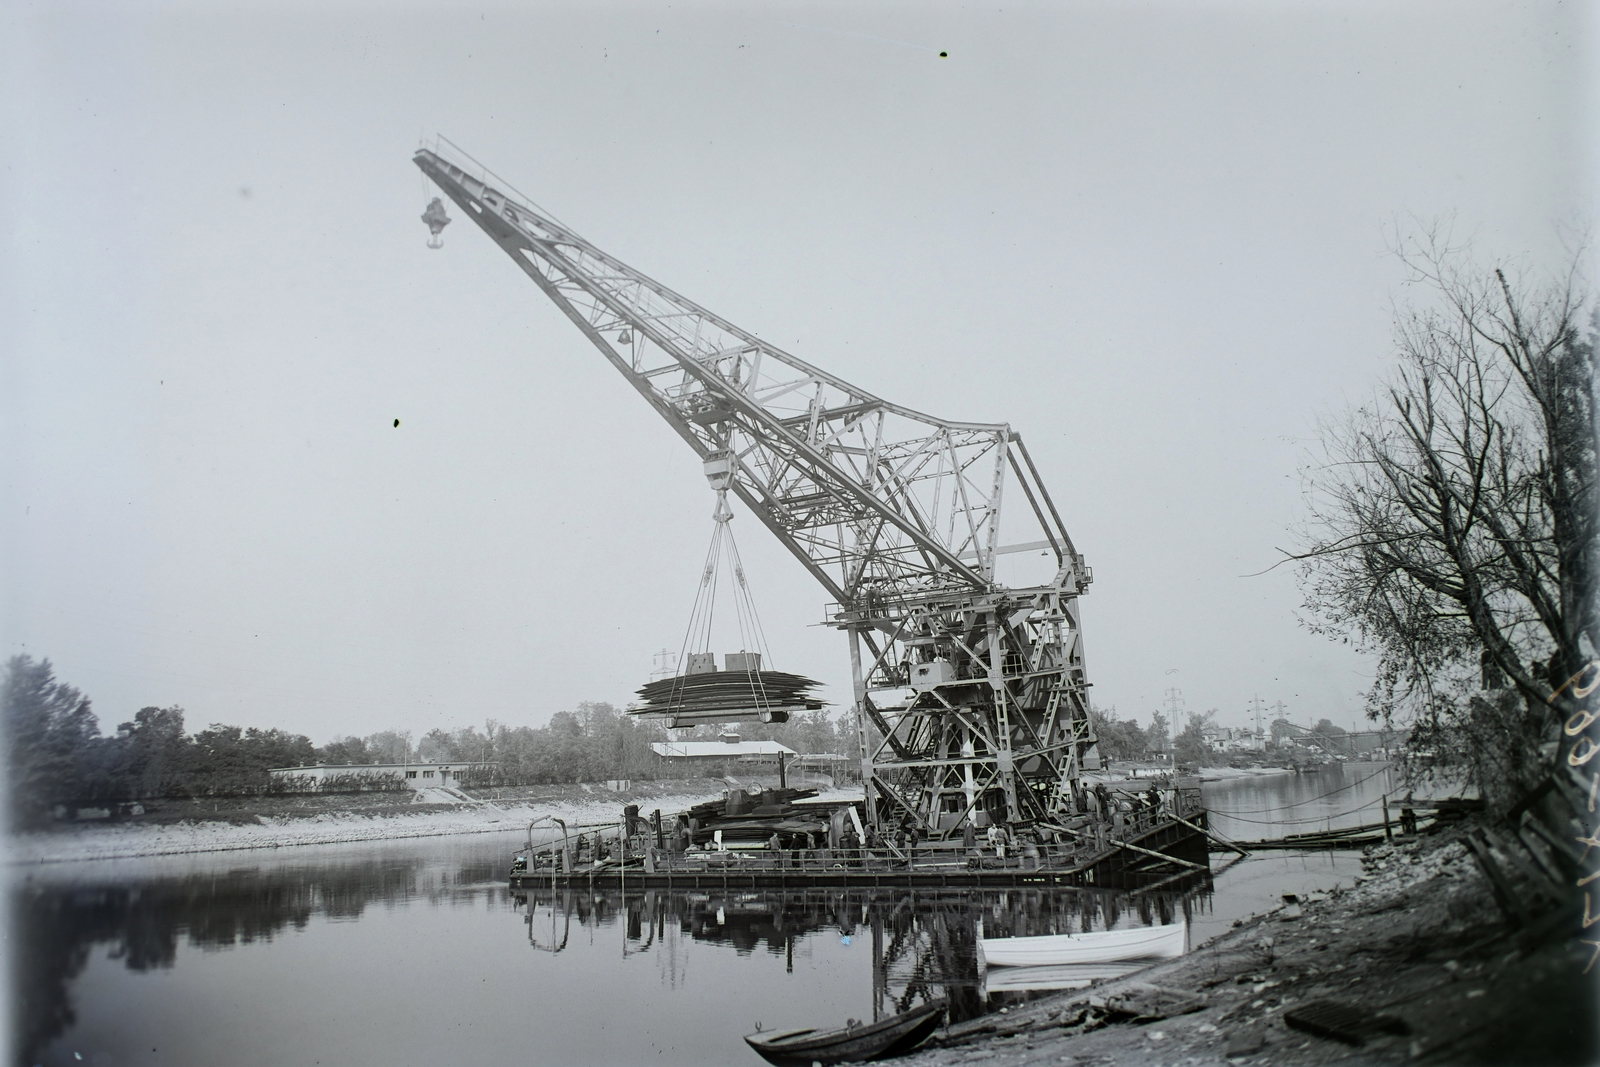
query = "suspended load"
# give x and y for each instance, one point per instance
(742, 692)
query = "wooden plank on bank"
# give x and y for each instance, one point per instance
(1504, 895)
(1540, 881)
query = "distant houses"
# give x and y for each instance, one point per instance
(1229, 739)
(1288, 739)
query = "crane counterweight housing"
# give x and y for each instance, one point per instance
(970, 697)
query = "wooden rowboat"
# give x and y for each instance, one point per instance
(894, 1036)
(1111, 946)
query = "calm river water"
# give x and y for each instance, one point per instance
(416, 952)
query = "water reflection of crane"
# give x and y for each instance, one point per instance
(924, 945)
(556, 944)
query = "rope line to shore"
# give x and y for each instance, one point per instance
(1296, 822)
(1312, 800)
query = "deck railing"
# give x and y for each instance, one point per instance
(1086, 844)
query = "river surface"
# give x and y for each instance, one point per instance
(416, 952)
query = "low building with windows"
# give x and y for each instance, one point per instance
(332, 777)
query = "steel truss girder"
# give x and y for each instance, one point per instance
(895, 512)
(1008, 734)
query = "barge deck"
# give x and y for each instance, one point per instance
(1144, 849)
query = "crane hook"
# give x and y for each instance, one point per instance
(437, 220)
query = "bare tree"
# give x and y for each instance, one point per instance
(1452, 519)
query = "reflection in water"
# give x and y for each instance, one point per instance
(327, 939)
(54, 927)
(1330, 796)
(923, 945)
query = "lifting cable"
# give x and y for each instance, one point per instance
(697, 636)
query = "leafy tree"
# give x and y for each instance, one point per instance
(1119, 739)
(157, 752)
(389, 746)
(218, 763)
(1190, 747)
(1157, 738)
(48, 728)
(278, 748)
(345, 750)
(229, 761)
(436, 745)
(1452, 520)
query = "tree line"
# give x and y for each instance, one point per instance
(1124, 739)
(57, 756)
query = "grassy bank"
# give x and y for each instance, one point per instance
(167, 827)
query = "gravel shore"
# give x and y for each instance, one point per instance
(1416, 947)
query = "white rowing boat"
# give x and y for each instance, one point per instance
(1060, 976)
(1110, 946)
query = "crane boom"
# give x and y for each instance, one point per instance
(895, 512)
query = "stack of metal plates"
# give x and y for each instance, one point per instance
(727, 696)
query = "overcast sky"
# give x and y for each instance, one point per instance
(1151, 238)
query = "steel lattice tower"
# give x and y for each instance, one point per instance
(970, 696)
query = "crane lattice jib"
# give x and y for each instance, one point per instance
(895, 512)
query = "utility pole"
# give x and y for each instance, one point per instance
(1174, 703)
(666, 664)
(1255, 706)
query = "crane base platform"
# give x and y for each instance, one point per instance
(1155, 852)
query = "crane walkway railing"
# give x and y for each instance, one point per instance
(601, 851)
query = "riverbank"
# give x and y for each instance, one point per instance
(191, 826)
(1417, 947)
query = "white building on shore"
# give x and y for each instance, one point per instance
(335, 776)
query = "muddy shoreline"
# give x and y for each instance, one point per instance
(1417, 949)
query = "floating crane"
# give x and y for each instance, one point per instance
(970, 697)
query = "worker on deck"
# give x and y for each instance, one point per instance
(850, 845)
(1103, 795)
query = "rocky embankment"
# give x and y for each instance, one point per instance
(1414, 963)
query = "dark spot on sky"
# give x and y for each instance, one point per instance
(944, 55)
(397, 423)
